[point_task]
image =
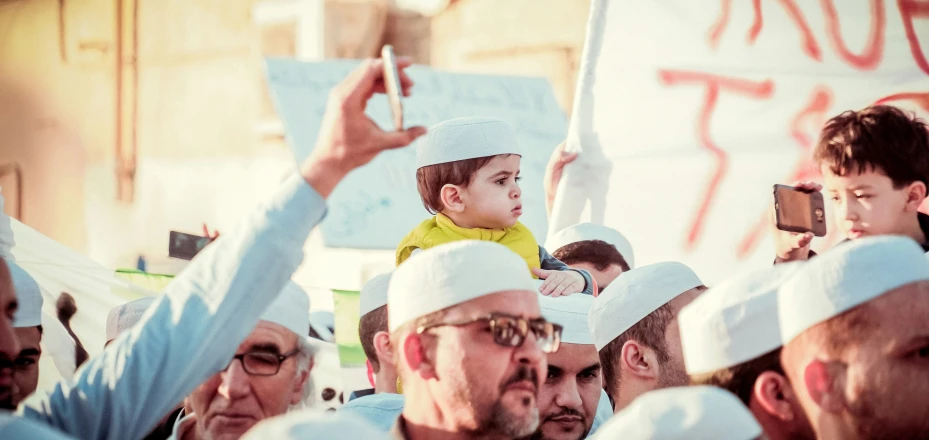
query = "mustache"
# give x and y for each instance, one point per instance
(566, 412)
(523, 374)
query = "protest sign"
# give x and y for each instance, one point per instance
(377, 205)
(687, 113)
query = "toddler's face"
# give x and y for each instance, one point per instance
(493, 199)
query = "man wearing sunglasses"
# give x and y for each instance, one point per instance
(268, 375)
(470, 343)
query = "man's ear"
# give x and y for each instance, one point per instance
(451, 196)
(915, 194)
(773, 393)
(300, 383)
(416, 357)
(825, 383)
(383, 348)
(639, 360)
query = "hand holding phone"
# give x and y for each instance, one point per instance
(392, 84)
(799, 210)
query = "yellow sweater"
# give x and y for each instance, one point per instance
(441, 229)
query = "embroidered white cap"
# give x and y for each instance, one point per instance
(571, 312)
(465, 138)
(374, 294)
(298, 425)
(845, 277)
(695, 412)
(125, 316)
(635, 295)
(450, 274)
(591, 231)
(733, 322)
(29, 297)
(291, 309)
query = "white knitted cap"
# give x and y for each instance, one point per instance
(450, 274)
(465, 138)
(734, 322)
(683, 413)
(845, 277)
(635, 295)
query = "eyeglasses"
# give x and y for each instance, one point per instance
(511, 331)
(262, 363)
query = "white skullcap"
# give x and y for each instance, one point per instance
(571, 312)
(450, 274)
(691, 413)
(123, 317)
(28, 296)
(591, 231)
(635, 295)
(465, 138)
(847, 276)
(733, 322)
(374, 294)
(291, 309)
(300, 425)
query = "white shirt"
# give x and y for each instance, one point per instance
(192, 330)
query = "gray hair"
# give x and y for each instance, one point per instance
(307, 351)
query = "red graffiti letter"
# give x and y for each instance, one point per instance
(713, 84)
(910, 9)
(810, 47)
(874, 50)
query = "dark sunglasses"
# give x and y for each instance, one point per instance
(511, 331)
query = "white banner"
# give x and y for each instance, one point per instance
(377, 205)
(686, 113)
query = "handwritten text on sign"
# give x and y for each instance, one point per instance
(376, 205)
(707, 118)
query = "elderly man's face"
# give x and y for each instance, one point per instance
(9, 343)
(231, 402)
(26, 378)
(488, 387)
(887, 377)
(568, 399)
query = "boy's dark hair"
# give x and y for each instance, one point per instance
(740, 379)
(368, 326)
(596, 252)
(880, 138)
(430, 179)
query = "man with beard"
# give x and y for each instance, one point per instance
(634, 323)
(470, 341)
(11, 426)
(572, 404)
(855, 322)
(28, 327)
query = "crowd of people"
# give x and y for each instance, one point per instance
(480, 332)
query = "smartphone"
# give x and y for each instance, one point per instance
(186, 246)
(392, 84)
(797, 210)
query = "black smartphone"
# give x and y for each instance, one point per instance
(186, 246)
(392, 84)
(797, 210)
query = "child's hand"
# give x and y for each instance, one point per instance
(559, 282)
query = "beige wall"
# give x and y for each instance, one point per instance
(200, 91)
